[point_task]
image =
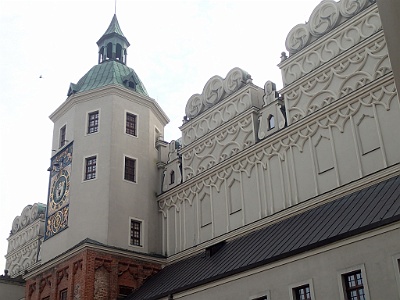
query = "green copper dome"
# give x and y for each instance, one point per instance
(107, 73)
(112, 67)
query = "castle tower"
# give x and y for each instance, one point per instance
(102, 172)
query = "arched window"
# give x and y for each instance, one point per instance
(109, 51)
(131, 84)
(101, 54)
(271, 122)
(118, 55)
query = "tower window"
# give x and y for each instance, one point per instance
(93, 122)
(172, 177)
(90, 167)
(130, 169)
(131, 124)
(136, 233)
(354, 285)
(131, 85)
(63, 132)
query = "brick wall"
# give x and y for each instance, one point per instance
(90, 274)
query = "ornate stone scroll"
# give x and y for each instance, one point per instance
(29, 214)
(325, 17)
(215, 90)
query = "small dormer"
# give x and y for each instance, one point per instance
(113, 43)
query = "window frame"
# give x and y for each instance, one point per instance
(85, 167)
(135, 169)
(141, 231)
(295, 286)
(136, 132)
(396, 263)
(342, 284)
(262, 295)
(62, 137)
(62, 293)
(88, 126)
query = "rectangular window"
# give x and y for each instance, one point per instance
(90, 167)
(302, 292)
(130, 169)
(93, 122)
(354, 286)
(63, 295)
(63, 132)
(135, 238)
(131, 124)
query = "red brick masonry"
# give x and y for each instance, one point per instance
(90, 274)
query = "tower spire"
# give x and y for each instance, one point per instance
(113, 43)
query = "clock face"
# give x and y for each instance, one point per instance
(59, 190)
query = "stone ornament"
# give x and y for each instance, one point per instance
(29, 214)
(325, 17)
(362, 66)
(319, 53)
(215, 90)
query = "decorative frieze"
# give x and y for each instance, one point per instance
(226, 110)
(23, 258)
(365, 63)
(226, 141)
(332, 45)
(29, 214)
(215, 90)
(324, 18)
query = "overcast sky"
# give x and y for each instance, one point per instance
(176, 46)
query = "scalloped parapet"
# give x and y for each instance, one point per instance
(325, 17)
(25, 239)
(215, 90)
(29, 214)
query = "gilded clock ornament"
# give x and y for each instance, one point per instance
(59, 190)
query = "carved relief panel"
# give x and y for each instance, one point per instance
(366, 63)
(225, 142)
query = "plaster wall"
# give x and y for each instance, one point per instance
(321, 269)
(134, 199)
(390, 11)
(100, 209)
(11, 291)
(88, 208)
(342, 113)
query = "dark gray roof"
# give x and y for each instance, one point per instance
(350, 215)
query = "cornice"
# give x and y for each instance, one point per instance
(110, 90)
(90, 246)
